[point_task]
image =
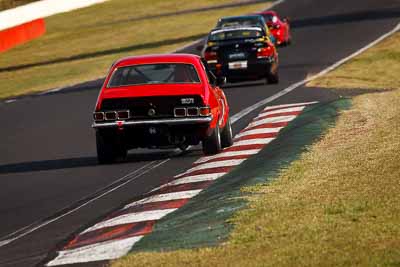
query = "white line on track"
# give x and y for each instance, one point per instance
(100, 251)
(133, 217)
(33, 227)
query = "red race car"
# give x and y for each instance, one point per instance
(160, 101)
(280, 28)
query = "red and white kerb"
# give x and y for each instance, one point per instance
(115, 235)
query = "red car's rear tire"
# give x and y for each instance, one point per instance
(108, 149)
(226, 135)
(212, 144)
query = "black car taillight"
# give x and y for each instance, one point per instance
(210, 56)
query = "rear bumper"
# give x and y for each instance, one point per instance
(255, 69)
(171, 122)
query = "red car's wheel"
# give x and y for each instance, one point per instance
(226, 135)
(108, 149)
(212, 144)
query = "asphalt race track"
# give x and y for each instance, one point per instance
(48, 165)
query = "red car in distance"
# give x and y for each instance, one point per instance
(280, 28)
(160, 101)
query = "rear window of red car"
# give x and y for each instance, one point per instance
(161, 73)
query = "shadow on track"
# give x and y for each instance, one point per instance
(79, 162)
(243, 84)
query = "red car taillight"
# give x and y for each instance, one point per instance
(98, 116)
(265, 52)
(210, 56)
(192, 111)
(123, 114)
(111, 115)
(205, 111)
(179, 112)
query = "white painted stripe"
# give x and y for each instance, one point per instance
(40, 9)
(283, 106)
(259, 141)
(197, 178)
(10, 101)
(228, 154)
(259, 131)
(101, 251)
(131, 218)
(272, 120)
(192, 179)
(165, 197)
(283, 110)
(216, 164)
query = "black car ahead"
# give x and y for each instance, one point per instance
(246, 21)
(242, 53)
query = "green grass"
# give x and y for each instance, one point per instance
(7, 4)
(339, 204)
(81, 45)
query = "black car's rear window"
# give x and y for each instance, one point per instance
(222, 35)
(163, 73)
(243, 21)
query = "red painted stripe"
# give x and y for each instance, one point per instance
(244, 147)
(161, 205)
(295, 113)
(256, 136)
(21, 34)
(267, 125)
(111, 233)
(222, 158)
(182, 187)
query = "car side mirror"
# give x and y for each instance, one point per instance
(221, 80)
(286, 19)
